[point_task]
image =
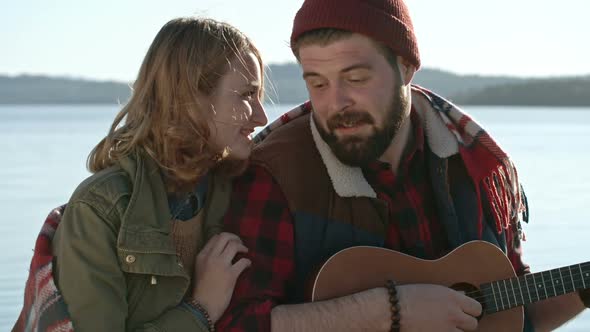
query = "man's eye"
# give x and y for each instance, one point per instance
(358, 79)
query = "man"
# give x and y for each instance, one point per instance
(372, 160)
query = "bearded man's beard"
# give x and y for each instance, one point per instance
(360, 151)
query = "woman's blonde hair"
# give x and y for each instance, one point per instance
(163, 117)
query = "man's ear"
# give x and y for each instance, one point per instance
(407, 70)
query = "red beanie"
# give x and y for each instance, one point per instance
(386, 21)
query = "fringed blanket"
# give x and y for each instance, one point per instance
(44, 308)
(449, 130)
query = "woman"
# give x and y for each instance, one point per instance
(126, 247)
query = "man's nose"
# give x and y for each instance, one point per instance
(339, 98)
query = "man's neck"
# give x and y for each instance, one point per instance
(395, 151)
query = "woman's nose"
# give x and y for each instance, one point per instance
(259, 115)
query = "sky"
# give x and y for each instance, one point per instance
(107, 39)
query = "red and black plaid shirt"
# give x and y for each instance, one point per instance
(413, 224)
(260, 216)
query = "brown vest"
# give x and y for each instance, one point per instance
(290, 155)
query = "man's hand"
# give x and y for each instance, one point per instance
(425, 307)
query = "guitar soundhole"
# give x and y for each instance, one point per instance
(473, 292)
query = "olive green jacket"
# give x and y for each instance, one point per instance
(116, 264)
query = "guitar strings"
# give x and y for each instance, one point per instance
(505, 302)
(519, 286)
(575, 279)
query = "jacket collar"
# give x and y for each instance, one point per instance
(349, 181)
(145, 223)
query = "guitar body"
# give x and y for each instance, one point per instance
(360, 268)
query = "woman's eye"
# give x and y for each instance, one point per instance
(249, 94)
(316, 85)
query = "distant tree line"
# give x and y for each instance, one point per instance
(285, 85)
(28, 89)
(547, 92)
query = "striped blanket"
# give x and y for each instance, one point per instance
(44, 308)
(488, 165)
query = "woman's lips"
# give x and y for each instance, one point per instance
(247, 132)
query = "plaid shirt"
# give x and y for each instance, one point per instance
(259, 214)
(413, 224)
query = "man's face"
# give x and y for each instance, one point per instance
(356, 96)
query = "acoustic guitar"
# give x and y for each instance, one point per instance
(478, 268)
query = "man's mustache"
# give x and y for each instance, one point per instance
(348, 118)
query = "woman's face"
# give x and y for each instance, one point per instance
(237, 108)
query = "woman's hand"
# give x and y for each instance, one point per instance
(215, 275)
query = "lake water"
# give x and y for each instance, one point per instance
(43, 150)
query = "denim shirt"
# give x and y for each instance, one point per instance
(187, 206)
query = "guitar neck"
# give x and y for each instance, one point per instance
(509, 293)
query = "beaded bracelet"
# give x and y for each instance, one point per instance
(394, 302)
(195, 304)
(584, 295)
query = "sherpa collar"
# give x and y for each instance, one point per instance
(448, 131)
(349, 181)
